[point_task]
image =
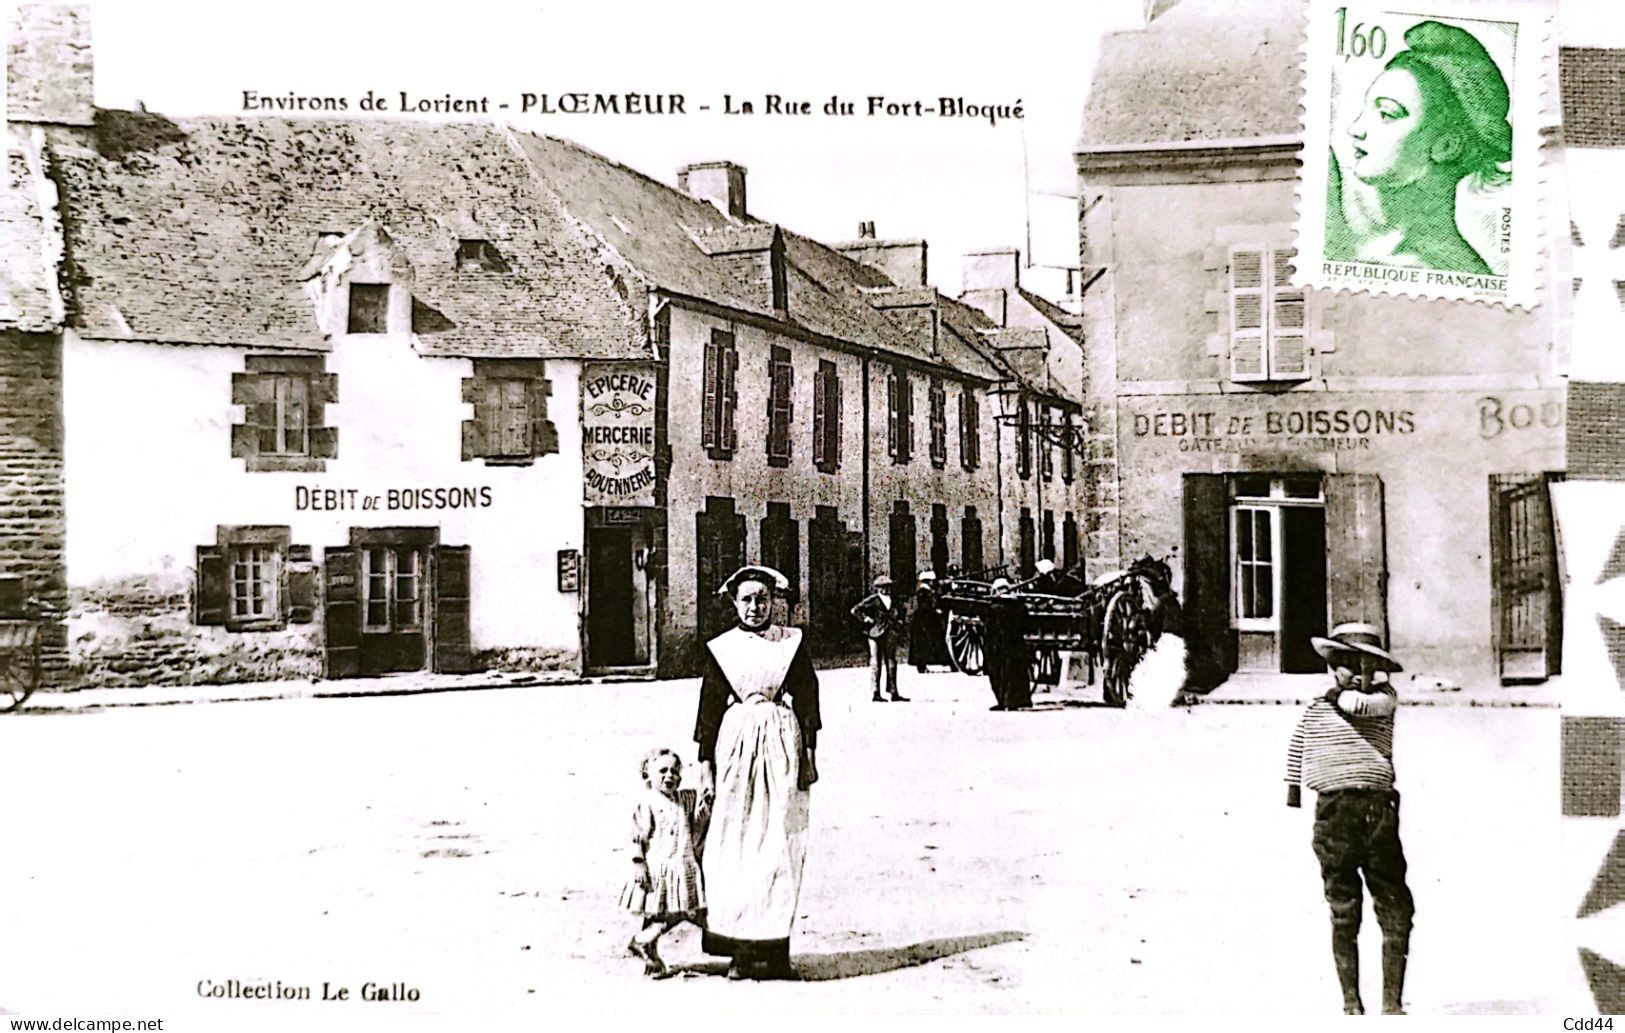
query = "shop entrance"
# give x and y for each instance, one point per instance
(1278, 571)
(618, 610)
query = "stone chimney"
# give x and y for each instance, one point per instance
(720, 182)
(903, 261)
(48, 67)
(987, 280)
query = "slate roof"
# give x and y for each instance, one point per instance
(196, 230)
(665, 236)
(25, 277)
(1204, 70)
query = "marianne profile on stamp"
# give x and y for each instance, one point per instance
(1434, 116)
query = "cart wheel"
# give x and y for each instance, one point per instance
(1046, 669)
(1118, 647)
(19, 675)
(966, 640)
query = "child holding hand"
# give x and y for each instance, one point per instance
(666, 887)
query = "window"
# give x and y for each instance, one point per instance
(899, 416)
(1268, 317)
(1048, 543)
(1069, 542)
(970, 542)
(254, 582)
(253, 579)
(369, 308)
(939, 539)
(827, 417)
(392, 588)
(479, 256)
(781, 547)
(1046, 450)
(780, 405)
(717, 432)
(510, 424)
(1025, 541)
(939, 423)
(1069, 446)
(284, 400)
(970, 429)
(1024, 442)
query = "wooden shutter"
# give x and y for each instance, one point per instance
(729, 396)
(779, 414)
(820, 415)
(1046, 451)
(1069, 443)
(341, 569)
(514, 420)
(1210, 640)
(211, 590)
(1247, 305)
(711, 407)
(905, 416)
(474, 429)
(300, 596)
(1288, 333)
(891, 414)
(832, 448)
(453, 653)
(939, 423)
(1356, 552)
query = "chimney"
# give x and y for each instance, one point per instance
(48, 66)
(987, 280)
(720, 182)
(902, 261)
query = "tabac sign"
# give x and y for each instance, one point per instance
(618, 434)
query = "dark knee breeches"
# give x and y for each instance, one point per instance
(1357, 833)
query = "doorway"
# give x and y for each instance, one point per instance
(1525, 587)
(1278, 571)
(617, 618)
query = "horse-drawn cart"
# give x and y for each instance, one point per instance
(1108, 620)
(19, 662)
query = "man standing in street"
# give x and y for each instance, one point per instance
(883, 622)
(1343, 749)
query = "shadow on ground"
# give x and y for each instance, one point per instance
(816, 968)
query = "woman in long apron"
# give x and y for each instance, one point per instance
(758, 746)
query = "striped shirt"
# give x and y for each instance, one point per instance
(1332, 749)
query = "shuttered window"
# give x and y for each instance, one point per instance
(720, 397)
(253, 579)
(284, 400)
(970, 427)
(781, 547)
(970, 542)
(1046, 449)
(939, 423)
(1024, 443)
(827, 417)
(1069, 444)
(780, 405)
(899, 417)
(1268, 317)
(510, 424)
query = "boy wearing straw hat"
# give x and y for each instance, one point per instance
(1343, 748)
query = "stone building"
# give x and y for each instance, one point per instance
(349, 397)
(1308, 458)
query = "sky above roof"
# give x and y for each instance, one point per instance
(959, 182)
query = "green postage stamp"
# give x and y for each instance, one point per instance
(1421, 163)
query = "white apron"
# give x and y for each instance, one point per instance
(757, 842)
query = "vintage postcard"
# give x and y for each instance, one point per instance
(698, 514)
(1421, 163)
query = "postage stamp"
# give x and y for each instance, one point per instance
(1421, 171)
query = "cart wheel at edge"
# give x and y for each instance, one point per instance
(19, 676)
(965, 644)
(1115, 648)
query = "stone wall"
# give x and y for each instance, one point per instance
(32, 516)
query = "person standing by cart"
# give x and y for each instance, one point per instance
(1009, 658)
(1343, 748)
(883, 621)
(926, 644)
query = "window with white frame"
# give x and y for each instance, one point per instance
(254, 580)
(1268, 316)
(392, 588)
(1257, 540)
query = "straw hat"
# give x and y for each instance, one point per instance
(1356, 640)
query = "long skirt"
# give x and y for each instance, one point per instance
(757, 842)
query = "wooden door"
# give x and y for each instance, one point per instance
(1210, 640)
(1356, 551)
(610, 632)
(1523, 568)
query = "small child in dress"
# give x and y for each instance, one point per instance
(666, 887)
